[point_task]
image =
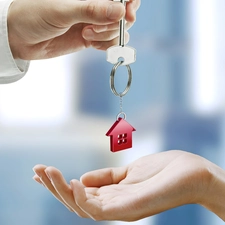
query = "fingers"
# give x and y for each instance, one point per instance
(103, 33)
(64, 190)
(42, 178)
(37, 179)
(87, 200)
(96, 32)
(103, 45)
(105, 36)
(84, 201)
(131, 9)
(103, 40)
(90, 35)
(104, 177)
(54, 181)
(94, 12)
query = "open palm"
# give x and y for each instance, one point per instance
(148, 186)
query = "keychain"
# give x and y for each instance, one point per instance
(121, 131)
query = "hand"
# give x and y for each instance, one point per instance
(45, 28)
(150, 185)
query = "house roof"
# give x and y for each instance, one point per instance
(119, 127)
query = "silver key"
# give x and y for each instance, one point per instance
(121, 52)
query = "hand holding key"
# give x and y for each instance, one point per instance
(53, 28)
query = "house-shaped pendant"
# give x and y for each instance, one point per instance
(120, 135)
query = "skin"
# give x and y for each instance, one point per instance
(49, 28)
(148, 186)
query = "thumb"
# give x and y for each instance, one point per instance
(94, 12)
(104, 177)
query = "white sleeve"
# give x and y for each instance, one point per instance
(11, 70)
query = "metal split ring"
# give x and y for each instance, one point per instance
(112, 79)
(119, 115)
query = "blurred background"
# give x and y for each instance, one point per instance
(59, 112)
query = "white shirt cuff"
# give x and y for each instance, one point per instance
(11, 70)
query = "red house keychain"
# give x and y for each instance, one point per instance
(121, 131)
(120, 135)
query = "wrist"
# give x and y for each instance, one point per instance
(213, 196)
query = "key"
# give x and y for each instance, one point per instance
(121, 131)
(121, 52)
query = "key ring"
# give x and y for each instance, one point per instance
(119, 115)
(112, 78)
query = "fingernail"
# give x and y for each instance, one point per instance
(88, 34)
(114, 11)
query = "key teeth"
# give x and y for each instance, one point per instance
(127, 53)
